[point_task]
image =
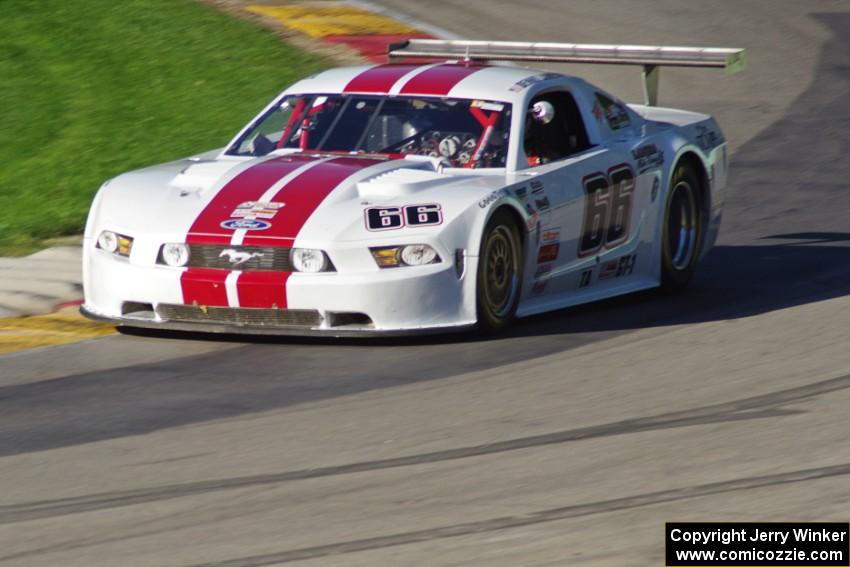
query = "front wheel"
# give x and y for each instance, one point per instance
(682, 238)
(499, 272)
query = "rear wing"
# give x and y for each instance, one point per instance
(648, 56)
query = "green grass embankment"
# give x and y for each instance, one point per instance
(92, 88)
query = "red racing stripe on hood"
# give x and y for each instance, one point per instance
(378, 79)
(439, 80)
(206, 286)
(302, 196)
(249, 185)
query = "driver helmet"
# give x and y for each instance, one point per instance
(542, 112)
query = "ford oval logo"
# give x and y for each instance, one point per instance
(245, 224)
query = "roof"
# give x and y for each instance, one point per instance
(449, 79)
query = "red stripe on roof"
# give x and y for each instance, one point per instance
(439, 80)
(378, 79)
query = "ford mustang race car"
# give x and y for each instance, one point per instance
(417, 196)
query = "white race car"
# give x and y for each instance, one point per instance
(412, 197)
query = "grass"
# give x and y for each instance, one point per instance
(93, 88)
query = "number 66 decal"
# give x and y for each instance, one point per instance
(608, 209)
(392, 218)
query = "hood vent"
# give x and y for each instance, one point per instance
(202, 174)
(399, 182)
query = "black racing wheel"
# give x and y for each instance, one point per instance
(683, 227)
(499, 272)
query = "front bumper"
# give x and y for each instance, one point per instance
(402, 301)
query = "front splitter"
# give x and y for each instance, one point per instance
(219, 328)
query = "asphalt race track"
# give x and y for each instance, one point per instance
(568, 442)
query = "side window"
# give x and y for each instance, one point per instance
(553, 128)
(266, 135)
(614, 112)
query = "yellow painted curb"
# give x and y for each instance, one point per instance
(65, 326)
(320, 21)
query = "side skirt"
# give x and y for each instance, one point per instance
(534, 306)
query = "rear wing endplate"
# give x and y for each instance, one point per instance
(648, 56)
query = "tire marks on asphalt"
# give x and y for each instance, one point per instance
(542, 516)
(756, 407)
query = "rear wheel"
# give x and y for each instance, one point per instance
(681, 241)
(499, 272)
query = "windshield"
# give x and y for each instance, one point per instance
(467, 133)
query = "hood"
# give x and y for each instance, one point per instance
(271, 200)
(256, 202)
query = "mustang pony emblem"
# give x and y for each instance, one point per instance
(237, 258)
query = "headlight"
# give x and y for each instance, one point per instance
(115, 243)
(409, 255)
(175, 254)
(309, 260)
(418, 255)
(108, 241)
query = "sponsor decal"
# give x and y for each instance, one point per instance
(548, 253)
(647, 157)
(617, 117)
(257, 209)
(484, 105)
(392, 218)
(618, 268)
(523, 84)
(521, 193)
(597, 111)
(608, 270)
(551, 235)
(491, 198)
(536, 187)
(245, 224)
(585, 278)
(237, 257)
(615, 113)
(656, 185)
(542, 204)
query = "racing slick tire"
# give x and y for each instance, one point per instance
(499, 272)
(683, 227)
